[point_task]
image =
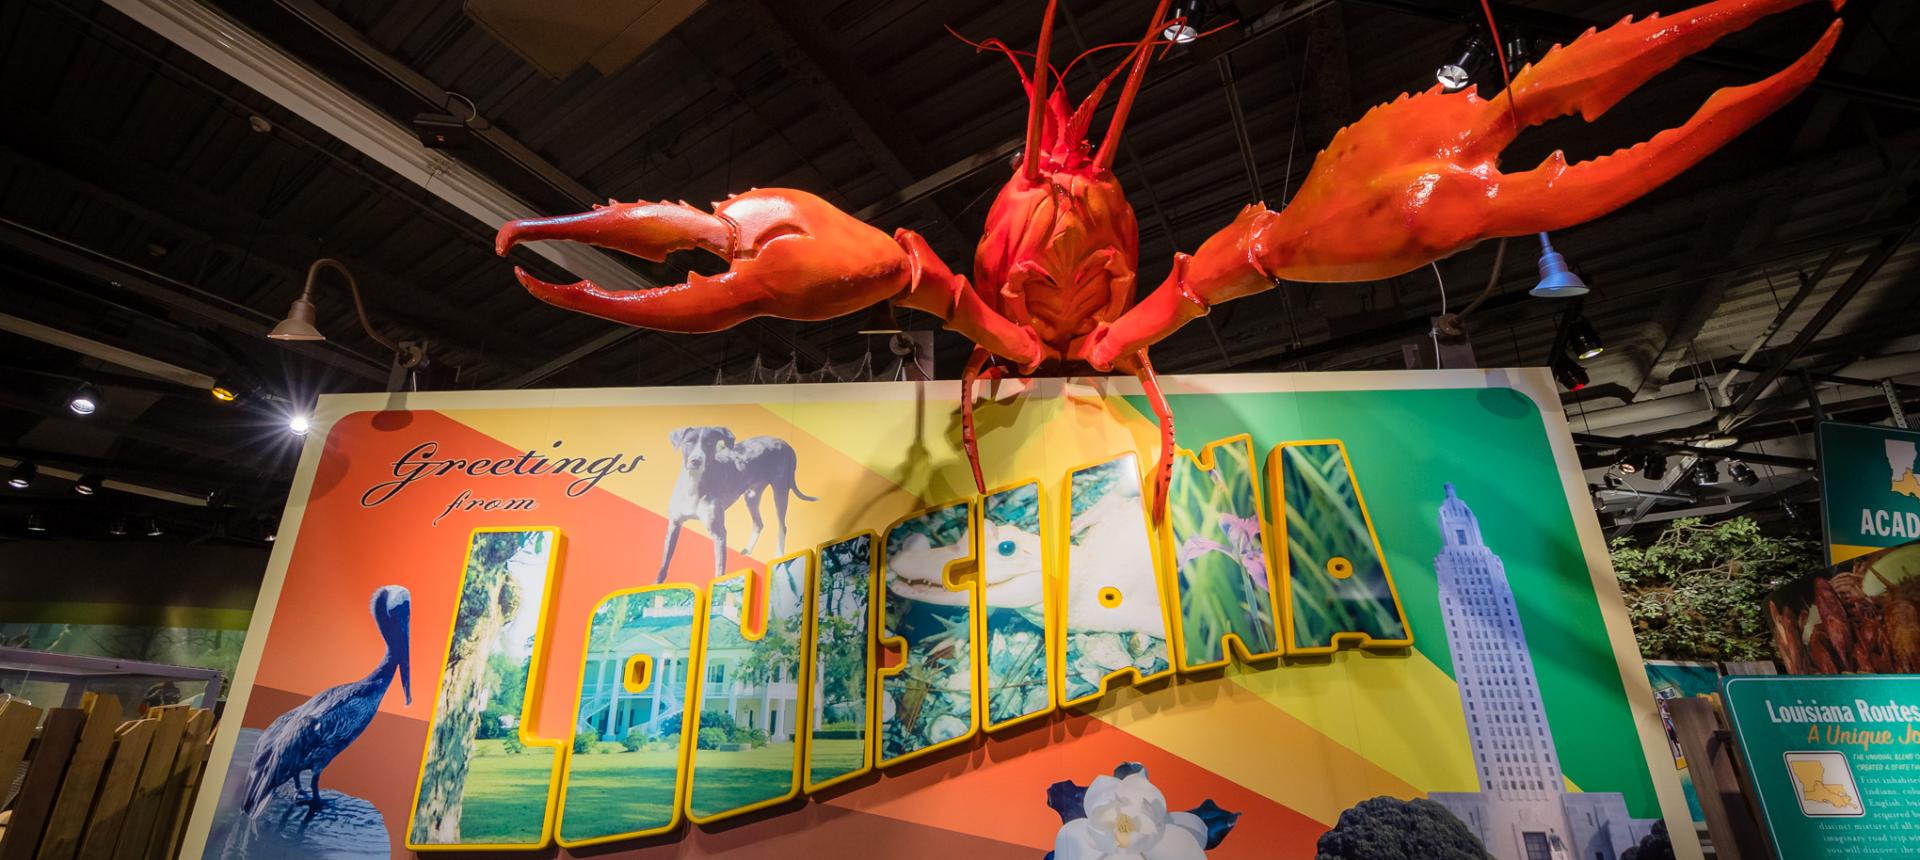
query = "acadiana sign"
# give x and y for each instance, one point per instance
(1869, 493)
(1834, 761)
(779, 621)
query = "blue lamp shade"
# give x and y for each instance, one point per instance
(1556, 280)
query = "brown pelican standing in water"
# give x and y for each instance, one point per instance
(311, 735)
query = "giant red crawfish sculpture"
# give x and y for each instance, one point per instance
(1413, 181)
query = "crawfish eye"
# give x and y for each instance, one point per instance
(1005, 548)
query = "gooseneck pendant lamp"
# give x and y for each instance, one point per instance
(1556, 280)
(302, 317)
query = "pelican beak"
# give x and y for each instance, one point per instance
(406, 671)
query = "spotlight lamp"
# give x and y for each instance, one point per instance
(1628, 464)
(1707, 472)
(1557, 281)
(1466, 56)
(1569, 373)
(1743, 474)
(223, 392)
(23, 475)
(85, 400)
(1584, 339)
(87, 485)
(1654, 467)
(1188, 17)
(299, 424)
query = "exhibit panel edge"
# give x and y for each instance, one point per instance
(1535, 383)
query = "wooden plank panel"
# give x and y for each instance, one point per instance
(17, 722)
(144, 806)
(69, 818)
(181, 783)
(123, 770)
(48, 765)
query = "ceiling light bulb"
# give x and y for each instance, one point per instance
(1584, 338)
(23, 475)
(1467, 54)
(1180, 33)
(87, 485)
(223, 394)
(299, 424)
(85, 400)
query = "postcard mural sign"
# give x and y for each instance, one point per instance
(773, 621)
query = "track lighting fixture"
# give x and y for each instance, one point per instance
(1556, 280)
(1628, 464)
(85, 400)
(1654, 467)
(1467, 55)
(87, 485)
(1190, 16)
(1568, 372)
(1707, 472)
(1584, 339)
(1743, 474)
(23, 475)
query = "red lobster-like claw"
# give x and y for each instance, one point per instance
(1419, 179)
(792, 255)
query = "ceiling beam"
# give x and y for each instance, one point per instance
(236, 51)
(217, 220)
(176, 296)
(1889, 244)
(106, 352)
(353, 42)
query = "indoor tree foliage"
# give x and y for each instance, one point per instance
(1698, 592)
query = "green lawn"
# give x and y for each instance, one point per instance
(833, 758)
(619, 792)
(724, 781)
(506, 795)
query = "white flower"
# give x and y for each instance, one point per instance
(1127, 819)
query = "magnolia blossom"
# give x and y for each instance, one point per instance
(1127, 819)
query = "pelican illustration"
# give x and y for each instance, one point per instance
(310, 736)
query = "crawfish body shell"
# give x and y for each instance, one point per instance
(1059, 255)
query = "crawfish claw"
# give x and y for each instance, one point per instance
(790, 254)
(1418, 179)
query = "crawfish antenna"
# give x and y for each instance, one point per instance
(1111, 143)
(1037, 98)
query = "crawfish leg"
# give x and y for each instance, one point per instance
(968, 377)
(938, 291)
(1163, 470)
